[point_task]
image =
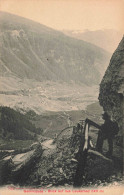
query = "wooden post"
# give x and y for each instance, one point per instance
(83, 150)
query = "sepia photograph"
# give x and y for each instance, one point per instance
(61, 97)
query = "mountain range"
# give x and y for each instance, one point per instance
(107, 39)
(34, 51)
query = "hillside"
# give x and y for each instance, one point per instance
(33, 51)
(14, 125)
(107, 39)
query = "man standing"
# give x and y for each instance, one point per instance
(106, 131)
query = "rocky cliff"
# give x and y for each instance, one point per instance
(112, 86)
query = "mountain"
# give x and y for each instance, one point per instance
(33, 51)
(107, 39)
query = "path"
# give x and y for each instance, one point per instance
(48, 147)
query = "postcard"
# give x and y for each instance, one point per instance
(61, 97)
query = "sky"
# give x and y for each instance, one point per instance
(70, 14)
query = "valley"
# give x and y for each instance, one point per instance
(28, 94)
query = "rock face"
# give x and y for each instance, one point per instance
(112, 86)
